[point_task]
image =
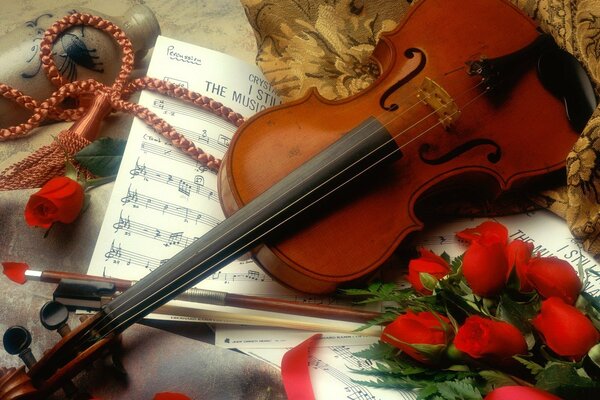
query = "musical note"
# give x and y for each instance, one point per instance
(184, 187)
(133, 227)
(354, 391)
(122, 255)
(250, 275)
(351, 359)
(158, 103)
(174, 239)
(165, 207)
(223, 140)
(253, 275)
(203, 137)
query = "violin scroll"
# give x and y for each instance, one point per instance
(54, 371)
(16, 384)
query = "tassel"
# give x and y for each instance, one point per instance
(49, 161)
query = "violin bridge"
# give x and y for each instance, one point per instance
(440, 101)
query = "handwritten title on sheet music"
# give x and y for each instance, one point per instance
(187, 58)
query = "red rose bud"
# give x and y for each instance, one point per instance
(59, 200)
(422, 336)
(485, 338)
(565, 329)
(553, 277)
(519, 393)
(518, 254)
(429, 263)
(490, 230)
(485, 267)
(170, 396)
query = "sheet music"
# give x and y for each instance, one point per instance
(162, 199)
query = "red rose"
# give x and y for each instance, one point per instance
(170, 396)
(494, 340)
(565, 329)
(485, 267)
(518, 253)
(553, 277)
(490, 230)
(60, 199)
(429, 263)
(423, 328)
(519, 393)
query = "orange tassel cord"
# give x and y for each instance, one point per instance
(49, 161)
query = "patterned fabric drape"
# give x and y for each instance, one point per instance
(326, 44)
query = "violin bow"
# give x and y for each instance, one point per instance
(21, 272)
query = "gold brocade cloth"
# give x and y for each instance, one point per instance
(326, 44)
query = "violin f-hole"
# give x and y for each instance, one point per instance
(416, 63)
(493, 157)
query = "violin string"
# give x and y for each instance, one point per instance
(410, 95)
(300, 211)
(107, 315)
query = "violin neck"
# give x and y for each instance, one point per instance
(355, 153)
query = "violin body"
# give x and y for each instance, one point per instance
(506, 138)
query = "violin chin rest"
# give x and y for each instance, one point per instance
(563, 75)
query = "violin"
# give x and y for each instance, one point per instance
(322, 192)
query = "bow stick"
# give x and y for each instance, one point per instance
(21, 272)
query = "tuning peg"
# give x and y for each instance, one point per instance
(16, 342)
(54, 316)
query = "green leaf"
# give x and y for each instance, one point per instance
(71, 171)
(446, 257)
(456, 264)
(102, 157)
(533, 367)
(384, 318)
(392, 382)
(519, 314)
(565, 381)
(427, 392)
(496, 379)
(378, 351)
(92, 183)
(459, 390)
(590, 306)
